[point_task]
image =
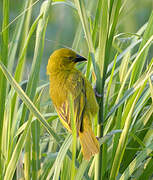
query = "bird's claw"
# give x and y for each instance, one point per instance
(96, 93)
(97, 138)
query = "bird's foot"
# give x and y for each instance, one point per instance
(97, 138)
(96, 93)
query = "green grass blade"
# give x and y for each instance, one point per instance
(16, 36)
(137, 69)
(27, 154)
(84, 20)
(131, 67)
(28, 102)
(137, 162)
(21, 58)
(81, 170)
(103, 35)
(4, 59)
(35, 132)
(61, 155)
(126, 118)
(39, 45)
(147, 172)
(16, 154)
(109, 87)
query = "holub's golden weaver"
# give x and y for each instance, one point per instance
(66, 79)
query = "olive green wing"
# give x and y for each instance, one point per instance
(75, 85)
(92, 105)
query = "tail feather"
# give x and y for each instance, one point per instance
(89, 143)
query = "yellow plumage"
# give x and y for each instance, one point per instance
(66, 79)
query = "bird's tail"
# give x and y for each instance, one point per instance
(89, 143)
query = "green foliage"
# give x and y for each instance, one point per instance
(33, 143)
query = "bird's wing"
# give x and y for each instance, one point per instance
(92, 104)
(75, 85)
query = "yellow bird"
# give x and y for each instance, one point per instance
(66, 79)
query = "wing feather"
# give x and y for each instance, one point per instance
(76, 86)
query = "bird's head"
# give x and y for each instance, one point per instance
(63, 59)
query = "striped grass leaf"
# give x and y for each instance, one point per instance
(143, 120)
(4, 59)
(136, 141)
(65, 174)
(109, 87)
(16, 36)
(111, 32)
(39, 45)
(47, 165)
(28, 102)
(35, 133)
(137, 69)
(60, 157)
(126, 120)
(135, 164)
(21, 60)
(135, 42)
(147, 171)
(119, 58)
(128, 93)
(85, 25)
(131, 67)
(84, 20)
(151, 88)
(16, 154)
(27, 153)
(66, 3)
(96, 22)
(124, 66)
(103, 35)
(18, 72)
(81, 170)
(52, 116)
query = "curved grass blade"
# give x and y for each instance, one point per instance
(136, 162)
(61, 155)
(28, 102)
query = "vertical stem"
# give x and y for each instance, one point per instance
(101, 80)
(106, 35)
(3, 84)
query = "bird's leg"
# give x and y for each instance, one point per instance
(96, 93)
(97, 138)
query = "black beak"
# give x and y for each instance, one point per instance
(79, 58)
